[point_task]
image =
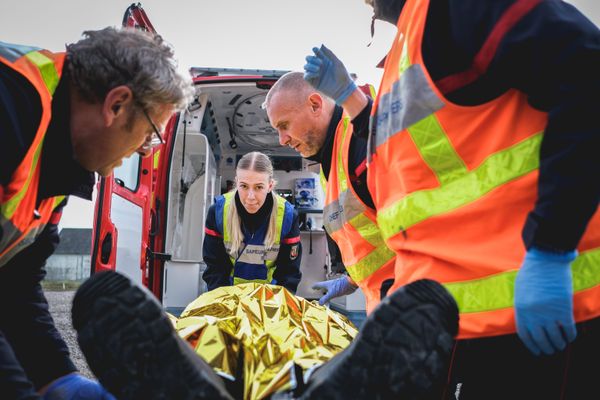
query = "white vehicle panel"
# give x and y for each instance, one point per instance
(127, 218)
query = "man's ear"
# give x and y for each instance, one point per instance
(116, 103)
(316, 103)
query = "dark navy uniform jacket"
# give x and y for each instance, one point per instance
(219, 265)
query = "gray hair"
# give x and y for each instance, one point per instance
(257, 162)
(292, 82)
(111, 57)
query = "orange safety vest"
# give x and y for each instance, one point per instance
(21, 218)
(453, 186)
(351, 224)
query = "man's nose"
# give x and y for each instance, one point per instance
(283, 138)
(251, 193)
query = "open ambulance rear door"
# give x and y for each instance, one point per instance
(124, 209)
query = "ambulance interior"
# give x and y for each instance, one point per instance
(224, 122)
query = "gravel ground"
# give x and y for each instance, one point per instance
(60, 308)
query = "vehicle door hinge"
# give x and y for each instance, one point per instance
(151, 255)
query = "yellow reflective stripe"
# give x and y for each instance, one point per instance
(270, 270)
(156, 159)
(57, 201)
(323, 180)
(370, 263)
(586, 270)
(237, 281)
(486, 294)
(280, 214)
(47, 69)
(342, 178)
(21, 242)
(8, 209)
(372, 91)
(497, 169)
(367, 229)
(497, 291)
(436, 149)
(404, 59)
(375, 259)
(228, 198)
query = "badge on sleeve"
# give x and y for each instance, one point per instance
(294, 251)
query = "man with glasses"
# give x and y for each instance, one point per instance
(64, 117)
(155, 138)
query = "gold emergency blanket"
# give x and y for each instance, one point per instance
(266, 329)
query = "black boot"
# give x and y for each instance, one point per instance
(131, 346)
(401, 352)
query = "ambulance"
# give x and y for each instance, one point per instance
(150, 213)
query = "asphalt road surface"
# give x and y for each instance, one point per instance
(60, 308)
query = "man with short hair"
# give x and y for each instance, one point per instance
(63, 117)
(318, 129)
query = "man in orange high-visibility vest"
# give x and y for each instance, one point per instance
(483, 131)
(63, 117)
(316, 127)
(348, 214)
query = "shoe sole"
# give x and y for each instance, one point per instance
(131, 346)
(402, 351)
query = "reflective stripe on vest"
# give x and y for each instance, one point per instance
(347, 221)
(21, 219)
(436, 163)
(254, 254)
(459, 189)
(474, 296)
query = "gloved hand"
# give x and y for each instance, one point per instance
(544, 301)
(335, 288)
(326, 73)
(76, 387)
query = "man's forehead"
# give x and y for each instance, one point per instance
(280, 108)
(284, 102)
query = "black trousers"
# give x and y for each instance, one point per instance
(32, 351)
(503, 368)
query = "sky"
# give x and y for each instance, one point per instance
(262, 34)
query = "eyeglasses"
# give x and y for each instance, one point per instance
(156, 138)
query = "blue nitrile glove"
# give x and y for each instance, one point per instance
(326, 73)
(335, 288)
(76, 387)
(544, 301)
